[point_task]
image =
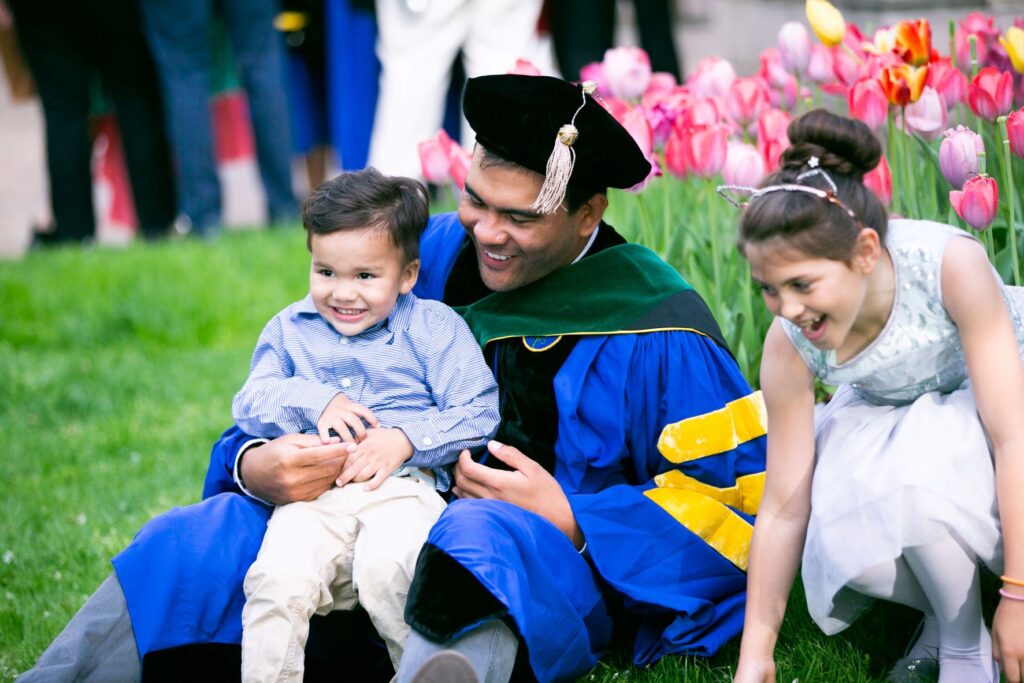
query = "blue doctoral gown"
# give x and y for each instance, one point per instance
(660, 449)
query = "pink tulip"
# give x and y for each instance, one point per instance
(868, 103)
(743, 165)
(948, 80)
(705, 150)
(845, 66)
(794, 45)
(435, 158)
(675, 153)
(990, 94)
(1015, 131)
(524, 67)
(771, 136)
(459, 165)
(962, 46)
(628, 70)
(976, 204)
(819, 67)
(615, 107)
(928, 116)
(772, 69)
(746, 99)
(663, 109)
(879, 181)
(661, 83)
(958, 155)
(595, 72)
(635, 122)
(699, 111)
(712, 78)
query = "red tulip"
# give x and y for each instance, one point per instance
(990, 94)
(1015, 131)
(958, 155)
(819, 67)
(903, 84)
(879, 181)
(435, 158)
(976, 204)
(712, 78)
(928, 116)
(794, 45)
(949, 81)
(914, 41)
(743, 165)
(628, 70)
(746, 99)
(706, 147)
(868, 103)
(698, 111)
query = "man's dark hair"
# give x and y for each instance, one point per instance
(576, 194)
(369, 199)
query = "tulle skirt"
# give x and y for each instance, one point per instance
(889, 478)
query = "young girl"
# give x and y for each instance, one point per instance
(890, 490)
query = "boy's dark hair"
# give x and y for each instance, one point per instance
(846, 149)
(576, 194)
(369, 199)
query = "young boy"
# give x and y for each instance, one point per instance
(399, 377)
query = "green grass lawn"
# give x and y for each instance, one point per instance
(117, 369)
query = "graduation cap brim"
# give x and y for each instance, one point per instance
(518, 117)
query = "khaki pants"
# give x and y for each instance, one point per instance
(347, 547)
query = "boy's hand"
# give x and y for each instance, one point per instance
(346, 418)
(376, 457)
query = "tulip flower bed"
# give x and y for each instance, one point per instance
(951, 122)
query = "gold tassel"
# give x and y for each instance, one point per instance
(561, 162)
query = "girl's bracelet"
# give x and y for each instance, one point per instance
(1010, 596)
(1012, 582)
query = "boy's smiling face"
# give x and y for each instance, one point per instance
(356, 276)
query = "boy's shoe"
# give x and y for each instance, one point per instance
(446, 666)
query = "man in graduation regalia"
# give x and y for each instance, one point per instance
(619, 492)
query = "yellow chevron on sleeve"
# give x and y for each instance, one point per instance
(744, 495)
(712, 521)
(715, 432)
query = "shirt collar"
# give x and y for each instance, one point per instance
(590, 243)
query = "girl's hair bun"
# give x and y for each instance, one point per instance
(843, 146)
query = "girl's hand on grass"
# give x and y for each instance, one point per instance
(292, 467)
(346, 417)
(376, 457)
(1008, 639)
(755, 671)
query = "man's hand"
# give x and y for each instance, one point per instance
(376, 457)
(346, 418)
(528, 485)
(292, 467)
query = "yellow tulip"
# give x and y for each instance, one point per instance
(1013, 41)
(826, 21)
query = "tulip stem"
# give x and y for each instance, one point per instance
(1008, 192)
(908, 170)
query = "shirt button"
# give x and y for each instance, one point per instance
(427, 441)
(344, 340)
(346, 382)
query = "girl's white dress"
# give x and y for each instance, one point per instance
(902, 458)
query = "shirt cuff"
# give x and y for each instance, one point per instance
(236, 473)
(423, 436)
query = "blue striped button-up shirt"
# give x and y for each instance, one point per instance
(420, 370)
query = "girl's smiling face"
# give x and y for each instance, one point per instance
(828, 300)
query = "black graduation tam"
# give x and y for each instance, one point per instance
(520, 118)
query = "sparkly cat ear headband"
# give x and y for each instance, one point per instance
(814, 170)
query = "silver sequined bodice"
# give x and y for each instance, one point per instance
(918, 350)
